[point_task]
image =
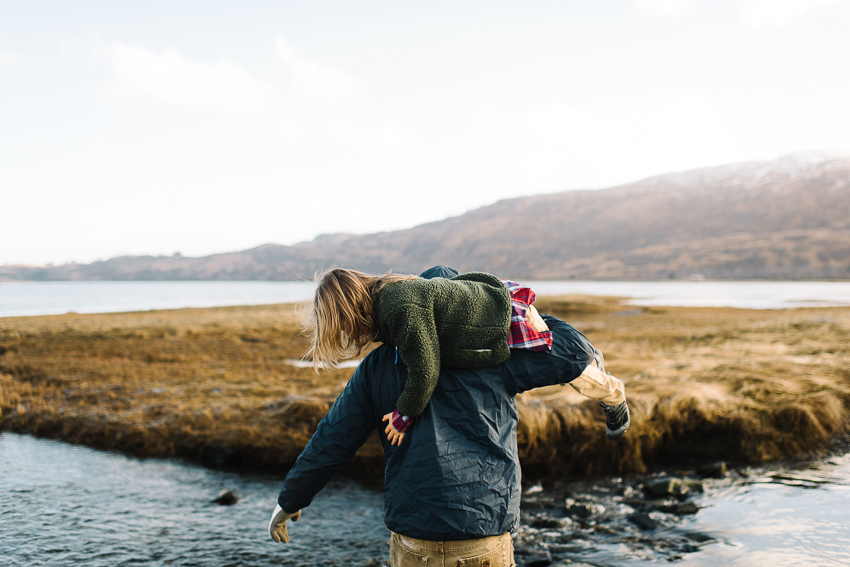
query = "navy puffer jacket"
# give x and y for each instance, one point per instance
(457, 474)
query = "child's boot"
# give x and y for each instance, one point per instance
(616, 420)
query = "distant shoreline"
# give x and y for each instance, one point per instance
(56, 298)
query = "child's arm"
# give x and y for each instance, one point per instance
(415, 334)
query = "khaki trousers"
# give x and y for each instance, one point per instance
(593, 382)
(597, 384)
(495, 551)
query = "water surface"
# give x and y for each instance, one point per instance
(52, 298)
(64, 505)
(67, 505)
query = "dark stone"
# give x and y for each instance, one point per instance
(699, 537)
(695, 486)
(532, 557)
(562, 549)
(680, 508)
(582, 510)
(641, 520)
(548, 522)
(226, 498)
(538, 560)
(635, 502)
(667, 487)
(713, 470)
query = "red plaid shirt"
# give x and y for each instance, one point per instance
(522, 335)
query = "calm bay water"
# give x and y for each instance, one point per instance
(51, 298)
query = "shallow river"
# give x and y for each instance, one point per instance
(66, 505)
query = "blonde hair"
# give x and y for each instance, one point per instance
(342, 321)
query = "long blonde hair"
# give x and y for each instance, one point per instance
(343, 322)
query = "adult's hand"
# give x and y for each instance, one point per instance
(277, 525)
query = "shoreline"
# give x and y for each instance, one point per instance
(213, 386)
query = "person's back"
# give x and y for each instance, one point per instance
(457, 477)
(453, 490)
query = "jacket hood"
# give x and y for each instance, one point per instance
(439, 272)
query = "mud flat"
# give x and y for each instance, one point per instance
(217, 386)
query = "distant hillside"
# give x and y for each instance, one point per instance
(782, 219)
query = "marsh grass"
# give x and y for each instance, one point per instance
(214, 385)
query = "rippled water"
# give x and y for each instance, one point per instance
(66, 505)
(779, 517)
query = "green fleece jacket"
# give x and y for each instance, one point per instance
(462, 322)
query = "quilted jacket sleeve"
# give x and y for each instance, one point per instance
(340, 434)
(571, 353)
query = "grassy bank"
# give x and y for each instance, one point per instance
(215, 385)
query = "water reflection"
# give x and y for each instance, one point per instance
(779, 518)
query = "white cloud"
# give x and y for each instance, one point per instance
(665, 7)
(171, 78)
(311, 80)
(753, 13)
(7, 59)
(561, 142)
(776, 13)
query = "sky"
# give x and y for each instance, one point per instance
(207, 126)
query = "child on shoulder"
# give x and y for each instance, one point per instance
(472, 320)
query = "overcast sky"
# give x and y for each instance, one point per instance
(200, 127)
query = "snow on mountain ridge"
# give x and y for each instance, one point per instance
(746, 175)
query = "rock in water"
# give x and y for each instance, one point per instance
(545, 522)
(680, 508)
(583, 510)
(668, 487)
(226, 498)
(641, 520)
(696, 486)
(685, 508)
(713, 470)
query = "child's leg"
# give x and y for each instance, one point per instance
(596, 384)
(535, 320)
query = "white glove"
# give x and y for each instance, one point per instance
(277, 525)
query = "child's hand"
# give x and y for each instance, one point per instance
(394, 436)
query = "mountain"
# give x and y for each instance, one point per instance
(783, 219)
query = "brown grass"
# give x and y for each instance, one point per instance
(213, 385)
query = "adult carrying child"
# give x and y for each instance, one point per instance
(472, 320)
